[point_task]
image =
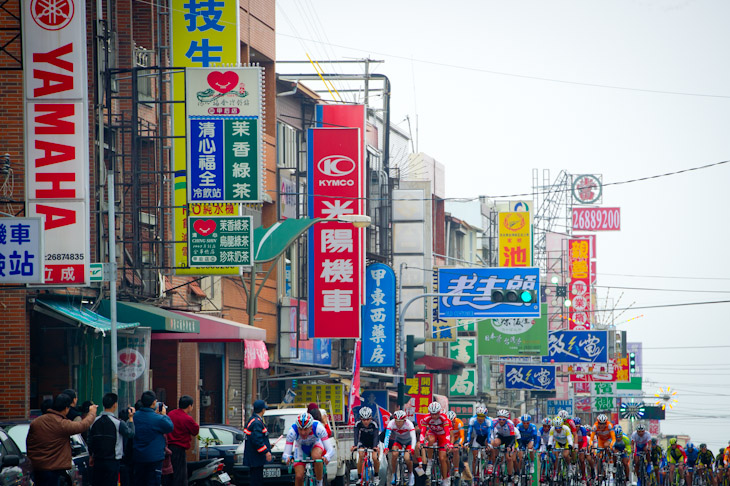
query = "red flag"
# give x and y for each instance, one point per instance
(355, 389)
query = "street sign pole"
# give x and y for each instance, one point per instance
(113, 282)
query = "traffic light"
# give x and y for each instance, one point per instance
(632, 363)
(514, 296)
(412, 355)
(402, 397)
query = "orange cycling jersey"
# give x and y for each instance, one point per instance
(605, 434)
(457, 432)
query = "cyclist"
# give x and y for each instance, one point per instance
(366, 437)
(602, 435)
(457, 439)
(479, 434)
(692, 453)
(505, 433)
(436, 430)
(581, 444)
(675, 456)
(529, 439)
(307, 439)
(641, 444)
(719, 464)
(623, 446)
(544, 433)
(657, 458)
(400, 433)
(705, 459)
(561, 438)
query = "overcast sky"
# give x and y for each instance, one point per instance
(490, 130)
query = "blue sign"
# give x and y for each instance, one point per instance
(378, 317)
(206, 160)
(528, 377)
(21, 251)
(577, 347)
(554, 406)
(480, 282)
(375, 400)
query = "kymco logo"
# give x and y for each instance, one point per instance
(336, 165)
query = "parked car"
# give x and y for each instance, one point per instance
(219, 440)
(15, 467)
(78, 475)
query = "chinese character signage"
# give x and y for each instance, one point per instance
(603, 396)
(441, 329)
(220, 240)
(577, 347)
(224, 135)
(596, 219)
(583, 404)
(480, 282)
(554, 406)
(203, 35)
(525, 377)
(21, 250)
(464, 384)
(57, 135)
(587, 188)
(515, 239)
(378, 317)
(579, 270)
(335, 258)
(463, 410)
(464, 350)
(420, 389)
(616, 370)
(330, 397)
(513, 336)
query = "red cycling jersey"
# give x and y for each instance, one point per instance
(439, 426)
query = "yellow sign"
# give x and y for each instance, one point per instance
(515, 239)
(329, 397)
(203, 35)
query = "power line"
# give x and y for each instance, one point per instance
(662, 276)
(663, 290)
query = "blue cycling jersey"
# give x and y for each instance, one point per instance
(692, 456)
(478, 429)
(528, 434)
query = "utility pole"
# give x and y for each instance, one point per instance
(113, 281)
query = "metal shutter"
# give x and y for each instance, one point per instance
(236, 382)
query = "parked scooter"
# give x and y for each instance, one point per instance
(207, 473)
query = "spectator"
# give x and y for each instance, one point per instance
(73, 412)
(48, 444)
(151, 423)
(125, 465)
(257, 450)
(107, 437)
(317, 415)
(180, 439)
(46, 405)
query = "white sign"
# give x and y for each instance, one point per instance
(21, 250)
(130, 364)
(57, 134)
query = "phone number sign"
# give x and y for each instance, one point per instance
(596, 219)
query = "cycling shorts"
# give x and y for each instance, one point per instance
(605, 443)
(442, 440)
(479, 441)
(507, 440)
(640, 447)
(400, 444)
(367, 442)
(564, 445)
(522, 444)
(305, 452)
(672, 460)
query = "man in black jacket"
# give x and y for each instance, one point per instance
(257, 451)
(107, 437)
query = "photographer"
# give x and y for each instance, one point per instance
(180, 440)
(151, 423)
(107, 437)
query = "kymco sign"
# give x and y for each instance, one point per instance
(57, 134)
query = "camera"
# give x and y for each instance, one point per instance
(160, 406)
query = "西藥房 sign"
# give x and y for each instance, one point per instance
(378, 317)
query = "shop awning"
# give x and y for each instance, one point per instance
(214, 329)
(271, 242)
(439, 364)
(160, 320)
(74, 313)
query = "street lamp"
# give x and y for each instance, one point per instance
(358, 220)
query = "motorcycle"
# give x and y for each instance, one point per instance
(207, 473)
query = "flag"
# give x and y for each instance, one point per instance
(355, 400)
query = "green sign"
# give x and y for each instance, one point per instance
(603, 394)
(463, 385)
(466, 325)
(635, 384)
(464, 350)
(513, 336)
(241, 160)
(463, 410)
(219, 241)
(97, 272)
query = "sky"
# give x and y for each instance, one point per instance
(627, 89)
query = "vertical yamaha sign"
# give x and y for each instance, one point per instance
(57, 134)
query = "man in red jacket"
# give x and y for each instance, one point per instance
(180, 439)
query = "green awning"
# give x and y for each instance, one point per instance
(270, 243)
(76, 314)
(160, 320)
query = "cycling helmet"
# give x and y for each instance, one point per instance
(435, 407)
(563, 414)
(672, 441)
(557, 422)
(654, 440)
(689, 446)
(640, 428)
(576, 420)
(304, 421)
(703, 446)
(618, 430)
(451, 415)
(399, 415)
(481, 410)
(602, 419)
(526, 418)
(503, 414)
(546, 421)
(366, 413)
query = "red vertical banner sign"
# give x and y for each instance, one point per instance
(579, 289)
(354, 400)
(336, 263)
